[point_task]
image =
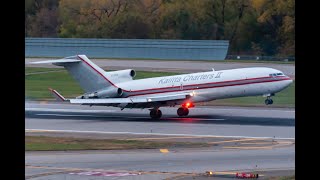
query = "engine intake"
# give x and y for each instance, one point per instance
(120, 92)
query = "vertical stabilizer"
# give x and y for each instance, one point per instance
(89, 76)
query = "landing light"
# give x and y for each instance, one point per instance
(188, 105)
(192, 94)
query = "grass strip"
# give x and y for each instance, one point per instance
(45, 143)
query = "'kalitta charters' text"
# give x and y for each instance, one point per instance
(189, 78)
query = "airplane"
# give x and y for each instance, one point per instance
(118, 89)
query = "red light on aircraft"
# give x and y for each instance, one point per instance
(188, 105)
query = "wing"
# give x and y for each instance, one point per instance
(133, 102)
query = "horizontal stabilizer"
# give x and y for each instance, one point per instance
(56, 61)
(57, 95)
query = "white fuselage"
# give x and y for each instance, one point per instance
(211, 85)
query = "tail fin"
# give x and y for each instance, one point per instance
(89, 76)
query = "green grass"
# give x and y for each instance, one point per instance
(36, 88)
(36, 85)
(37, 70)
(44, 143)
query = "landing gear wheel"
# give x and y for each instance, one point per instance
(265, 101)
(186, 111)
(268, 101)
(183, 111)
(155, 114)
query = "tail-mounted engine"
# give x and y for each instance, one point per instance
(111, 92)
(121, 76)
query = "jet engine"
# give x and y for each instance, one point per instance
(121, 76)
(110, 92)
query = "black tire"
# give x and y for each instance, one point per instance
(152, 114)
(185, 111)
(270, 101)
(266, 101)
(180, 112)
(158, 114)
(155, 114)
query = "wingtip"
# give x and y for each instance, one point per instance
(57, 95)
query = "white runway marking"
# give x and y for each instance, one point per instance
(159, 134)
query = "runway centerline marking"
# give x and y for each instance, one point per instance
(159, 134)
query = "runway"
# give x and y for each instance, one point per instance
(203, 122)
(152, 162)
(253, 122)
(172, 66)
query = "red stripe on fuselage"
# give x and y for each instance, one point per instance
(199, 84)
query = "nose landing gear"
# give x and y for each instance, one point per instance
(268, 101)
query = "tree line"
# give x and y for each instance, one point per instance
(256, 27)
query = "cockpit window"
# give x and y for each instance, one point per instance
(276, 74)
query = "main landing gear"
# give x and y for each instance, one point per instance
(155, 113)
(183, 111)
(268, 101)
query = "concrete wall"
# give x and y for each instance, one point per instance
(127, 48)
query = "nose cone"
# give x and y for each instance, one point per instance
(288, 82)
(291, 81)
